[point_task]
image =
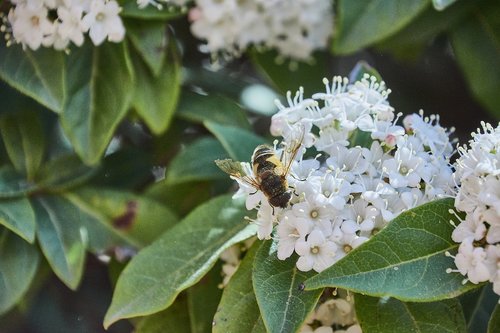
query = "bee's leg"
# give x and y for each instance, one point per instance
(254, 192)
(273, 209)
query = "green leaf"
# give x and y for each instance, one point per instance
(390, 315)
(13, 184)
(478, 305)
(239, 143)
(130, 9)
(174, 319)
(18, 216)
(196, 162)
(201, 314)
(215, 108)
(494, 323)
(290, 75)
(178, 259)
(40, 75)
(361, 23)
(136, 217)
(100, 85)
(24, 140)
(62, 242)
(238, 311)
(476, 45)
(278, 286)
(19, 265)
(101, 235)
(406, 260)
(155, 97)
(411, 41)
(150, 39)
(64, 172)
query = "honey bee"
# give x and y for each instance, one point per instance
(269, 172)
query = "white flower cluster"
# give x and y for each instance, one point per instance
(348, 192)
(294, 28)
(333, 312)
(56, 23)
(478, 174)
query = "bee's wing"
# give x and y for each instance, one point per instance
(235, 169)
(290, 150)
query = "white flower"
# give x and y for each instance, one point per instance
(294, 28)
(471, 261)
(290, 229)
(103, 21)
(315, 253)
(30, 25)
(71, 27)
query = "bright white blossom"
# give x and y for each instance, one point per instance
(351, 190)
(294, 28)
(56, 23)
(478, 196)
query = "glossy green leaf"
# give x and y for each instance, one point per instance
(361, 23)
(13, 184)
(101, 235)
(411, 41)
(155, 97)
(406, 260)
(174, 319)
(18, 216)
(150, 39)
(238, 311)
(478, 305)
(178, 259)
(475, 45)
(133, 216)
(40, 75)
(290, 75)
(100, 82)
(19, 263)
(64, 172)
(239, 143)
(494, 323)
(24, 140)
(214, 108)
(196, 162)
(62, 241)
(278, 286)
(130, 9)
(381, 315)
(201, 313)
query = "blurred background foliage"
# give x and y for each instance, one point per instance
(103, 149)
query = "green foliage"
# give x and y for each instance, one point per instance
(100, 82)
(238, 311)
(475, 42)
(361, 23)
(19, 264)
(283, 302)
(187, 252)
(406, 260)
(390, 315)
(65, 190)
